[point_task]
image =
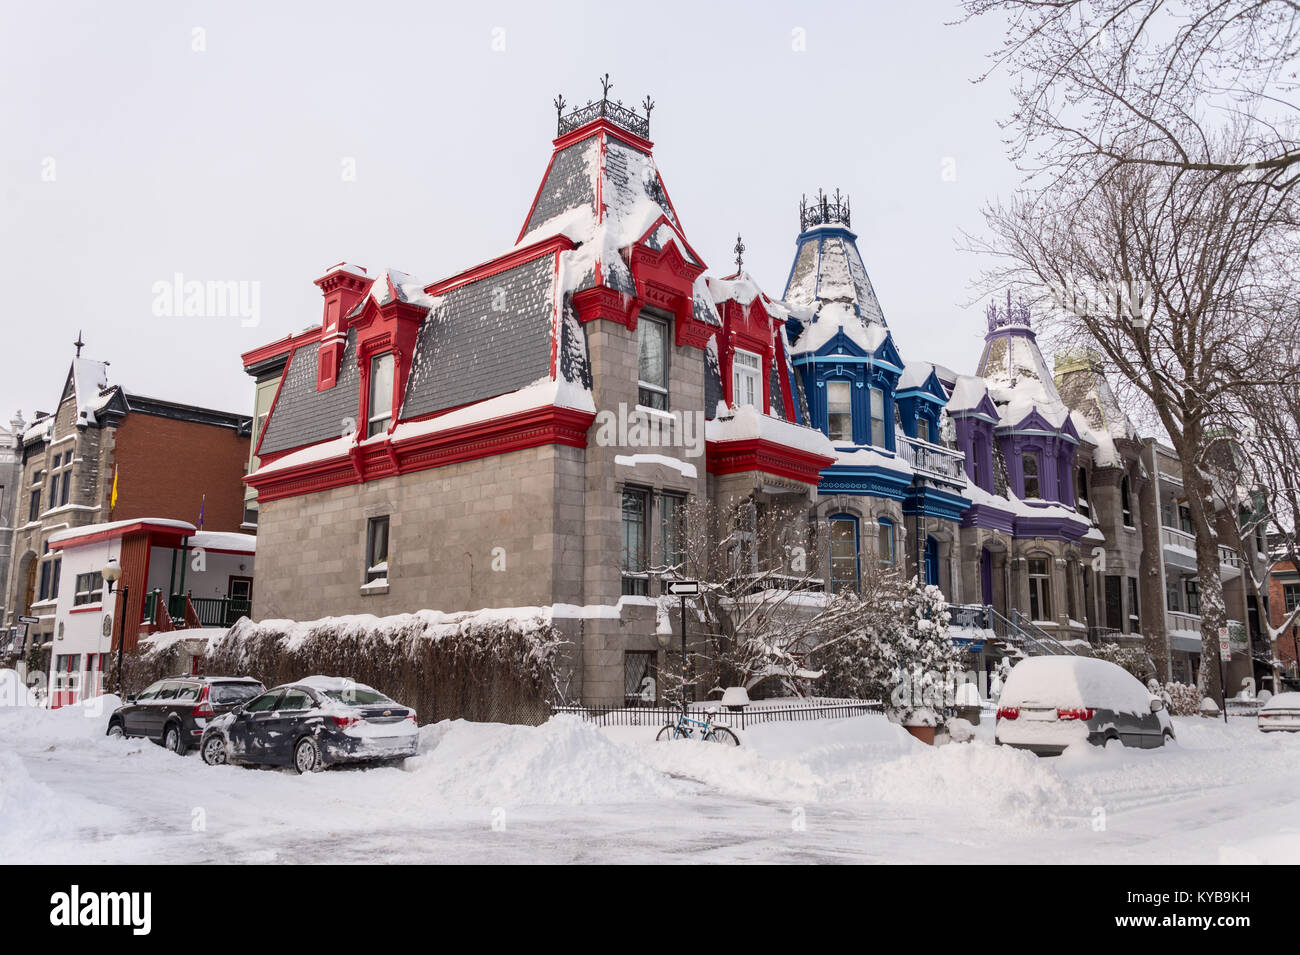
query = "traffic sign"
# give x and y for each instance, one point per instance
(1225, 648)
(29, 619)
(683, 588)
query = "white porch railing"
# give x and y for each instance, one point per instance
(932, 460)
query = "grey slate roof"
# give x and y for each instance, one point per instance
(568, 185)
(483, 339)
(303, 415)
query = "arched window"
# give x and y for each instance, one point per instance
(885, 541)
(844, 552)
(1029, 465)
(1126, 501)
(1040, 588)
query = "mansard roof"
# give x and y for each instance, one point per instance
(828, 271)
(1017, 377)
(1096, 411)
(922, 378)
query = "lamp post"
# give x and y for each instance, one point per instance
(112, 573)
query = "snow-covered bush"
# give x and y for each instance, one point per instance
(1135, 660)
(490, 666)
(1183, 699)
(152, 660)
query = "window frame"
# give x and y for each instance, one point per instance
(886, 526)
(1025, 458)
(672, 524)
(836, 582)
(1040, 587)
(93, 594)
(651, 394)
(378, 424)
(746, 374)
(876, 423)
(635, 580)
(1126, 502)
(843, 435)
(372, 526)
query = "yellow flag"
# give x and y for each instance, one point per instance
(112, 500)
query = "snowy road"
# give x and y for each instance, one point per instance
(855, 790)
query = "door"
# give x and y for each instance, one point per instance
(133, 721)
(240, 592)
(986, 577)
(248, 730)
(282, 727)
(153, 711)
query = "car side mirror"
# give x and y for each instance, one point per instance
(130, 698)
(1157, 705)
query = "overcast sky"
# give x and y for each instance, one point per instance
(144, 139)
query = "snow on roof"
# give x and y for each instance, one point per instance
(87, 530)
(1097, 414)
(390, 285)
(1018, 380)
(748, 423)
(221, 540)
(916, 374)
(832, 318)
(42, 429)
(1013, 505)
(967, 393)
(872, 457)
(89, 378)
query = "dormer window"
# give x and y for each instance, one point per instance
(839, 410)
(1029, 463)
(652, 362)
(746, 378)
(923, 429)
(877, 418)
(380, 408)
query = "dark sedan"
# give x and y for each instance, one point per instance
(312, 724)
(176, 711)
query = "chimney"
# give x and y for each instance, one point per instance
(344, 286)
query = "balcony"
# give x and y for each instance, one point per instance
(185, 610)
(932, 461)
(1180, 551)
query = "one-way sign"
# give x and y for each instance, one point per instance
(683, 588)
(29, 619)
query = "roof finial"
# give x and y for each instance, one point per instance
(559, 106)
(740, 253)
(605, 87)
(79, 343)
(647, 104)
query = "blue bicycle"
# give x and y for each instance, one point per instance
(692, 727)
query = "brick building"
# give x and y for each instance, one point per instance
(169, 459)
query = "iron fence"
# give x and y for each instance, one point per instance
(740, 718)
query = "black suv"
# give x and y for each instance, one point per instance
(175, 711)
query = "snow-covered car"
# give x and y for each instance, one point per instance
(1280, 714)
(1050, 703)
(311, 724)
(175, 712)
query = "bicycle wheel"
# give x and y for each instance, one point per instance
(669, 732)
(720, 734)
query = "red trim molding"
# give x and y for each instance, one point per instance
(607, 304)
(384, 458)
(759, 454)
(548, 246)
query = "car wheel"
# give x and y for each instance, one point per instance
(213, 750)
(1111, 742)
(306, 756)
(173, 740)
(115, 729)
(1166, 738)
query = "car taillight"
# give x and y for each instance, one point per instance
(204, 708)
(1076, 713)
(342, 722)
(411, 717)
(1008, 712)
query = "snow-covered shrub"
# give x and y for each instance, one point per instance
(149, 662)
(1183, 699)
(487, 666)
(1135, 660)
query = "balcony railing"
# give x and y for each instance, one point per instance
(210, 611)
(1178, 538)
(932, 460)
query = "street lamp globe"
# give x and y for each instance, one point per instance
(112, 571)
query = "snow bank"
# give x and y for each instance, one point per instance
(565, 761)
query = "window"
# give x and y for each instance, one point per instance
(1071, 601)
(1029, 463)
(672, 529)
(977, 461)
(377, 550)
(839, 410)
(640, 688)
(746, 382)
(877, 418)
(1114, 603)
(635, 579)
(54, 480)
(90, 589)
(151, 692)
(380, 411)
(264, 703)
(923, 428)
(1081, 491)
(49, 588)
(1125, 502)
(844, 553)
(34, 508)
(652, 363)
(295, 700)
(1291, 596)
(885, 541)
(1040, 588)
(1193, 590)
(1134, 615)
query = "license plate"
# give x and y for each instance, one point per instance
(1046, 715)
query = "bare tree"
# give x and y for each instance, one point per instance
(1104, 84)
(763, 604)
(1180, 280)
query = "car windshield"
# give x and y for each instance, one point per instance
(357, 696)
(233, 692)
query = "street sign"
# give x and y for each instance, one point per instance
(29, 619)
(683, 588)
(1225, 648)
